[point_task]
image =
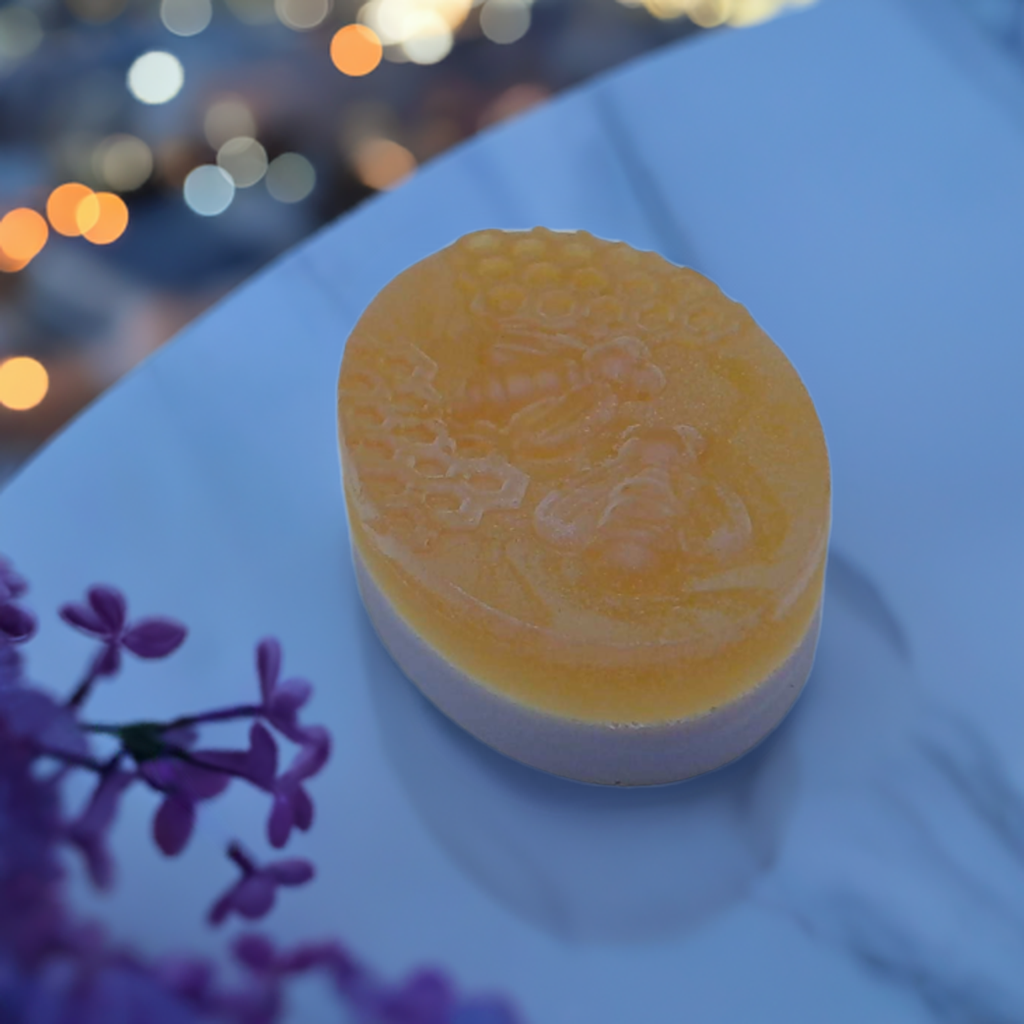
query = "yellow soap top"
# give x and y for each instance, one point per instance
(584, 475)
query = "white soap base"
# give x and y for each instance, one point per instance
(607, 754)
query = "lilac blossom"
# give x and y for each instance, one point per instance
(254, 893)
(12, 583)
(281, 700)
(33, 715)
(57, 970)
(16, 624)
(88, 832)
(104, 616)
(293, 807)
(425, 997)
(187, 777)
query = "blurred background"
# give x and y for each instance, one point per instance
(154, 153)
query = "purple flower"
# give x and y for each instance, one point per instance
(293, 807)
(32, 715)
(12, 584)
(254, 894)
(257, 765)
(183, 784)
(281, 700)
(105, 617)
(260, 955)
(426, 998)
(89, 830)
(16, 624)
(186, 777)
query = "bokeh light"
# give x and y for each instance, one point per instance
(713, 13)
(428, 37)
(253, 12)
(123, 162)
(20, 32)
(505, 21)
(383, 163)
(23, 233)
(209, 190)
(244, 159)
(710, 13)
(302, 15)
(228, 118)
(23, 383)
(96, 12)
(290, 178)
(356, 50)
(9, 266)
(62, 208)
(102, 218)
(156, 77)
(397, 22)
(754, 12)
(186, 17)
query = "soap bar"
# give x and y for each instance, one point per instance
(589, 503)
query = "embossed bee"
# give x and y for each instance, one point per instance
(545, 391)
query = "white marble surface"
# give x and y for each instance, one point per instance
(854, 175)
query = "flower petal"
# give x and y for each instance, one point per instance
(12, 583)
(262, 755)
(109, 604)
(223, 906)
(258, 764)
(173, 824)
(63, 735)
(302, 808)
(108, 661)
(254, 896)
(281, 821)
(256, 952)
(200, 783)
(268, 665)
(88, 830)
(426, 996)
(291, 872)
(289, 696)
(84, 618)
(313, 756)
(155, 637)
(16, 623)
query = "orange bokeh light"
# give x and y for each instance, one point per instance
(383, 164)
(23, 383)
(62, 208)
(356, 50)
(23, 233)
(102, 217)
(9, 266)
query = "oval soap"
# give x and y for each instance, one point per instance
(589, 503)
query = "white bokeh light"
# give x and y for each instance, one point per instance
(156, 77)
(209, 190)
(302, 15)
(290, 178)
(20, 32)
(186, 17)
(244, 159)
(505, 21)
(428, 38)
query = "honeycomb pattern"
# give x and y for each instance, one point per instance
(572, 430)
(401, 451)
(555, 280)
